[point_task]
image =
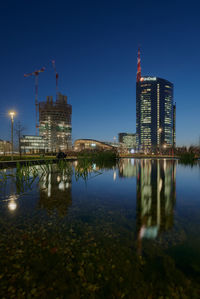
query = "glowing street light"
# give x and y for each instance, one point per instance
(12, 114)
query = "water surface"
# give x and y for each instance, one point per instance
(128, 231)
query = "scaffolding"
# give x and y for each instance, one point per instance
(55, 123)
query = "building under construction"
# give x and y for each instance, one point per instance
(55, 123)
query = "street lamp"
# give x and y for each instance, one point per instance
(12, 114)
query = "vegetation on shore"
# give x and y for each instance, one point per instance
(26, 157)
(85, 167)
(94, 155)
(187, 158)
(103, 159)
(97, 155)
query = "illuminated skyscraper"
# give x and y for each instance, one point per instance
(174, 125)
(155, 112)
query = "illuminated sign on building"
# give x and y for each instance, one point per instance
(148, 79)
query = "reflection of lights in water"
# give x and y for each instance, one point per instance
(141, 232)
(67, 185)
(94, 166)
(61, 186)
(49, 186)
(155, 209)
(43, 185)
(132, 161)
(148, 232)
(114, 175)
(64, 177)
(164, 165)
(160, 185)
(12, 205)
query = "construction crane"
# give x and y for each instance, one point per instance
(54, 67)
(36, 74)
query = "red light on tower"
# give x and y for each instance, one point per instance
(138, 78)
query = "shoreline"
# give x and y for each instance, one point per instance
(8, 163)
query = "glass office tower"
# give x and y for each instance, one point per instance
(155, 123)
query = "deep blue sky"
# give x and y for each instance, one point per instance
(94, 44)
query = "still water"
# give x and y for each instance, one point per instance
(127, 231)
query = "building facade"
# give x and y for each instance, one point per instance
(121, 136)
(55, 123)
(90, 144)
(127, 140)
(155, 112)
(33, 144)
(5, 147)
(174, 125)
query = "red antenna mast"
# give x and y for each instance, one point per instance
(138, 67)
(54, 67)
(36, 74)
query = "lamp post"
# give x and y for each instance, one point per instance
(12, 114)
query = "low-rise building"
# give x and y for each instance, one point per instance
(82, 144)
(33, 144)
(5, 147)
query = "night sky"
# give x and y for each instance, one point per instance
(94, 44)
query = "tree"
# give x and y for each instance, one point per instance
(18, 130)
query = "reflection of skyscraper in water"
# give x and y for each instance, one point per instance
(127, 168)
(156, 196)
(55, 192)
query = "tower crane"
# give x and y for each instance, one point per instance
(36, 74)
(54, 67)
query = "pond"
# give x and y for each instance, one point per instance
(128, 230)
